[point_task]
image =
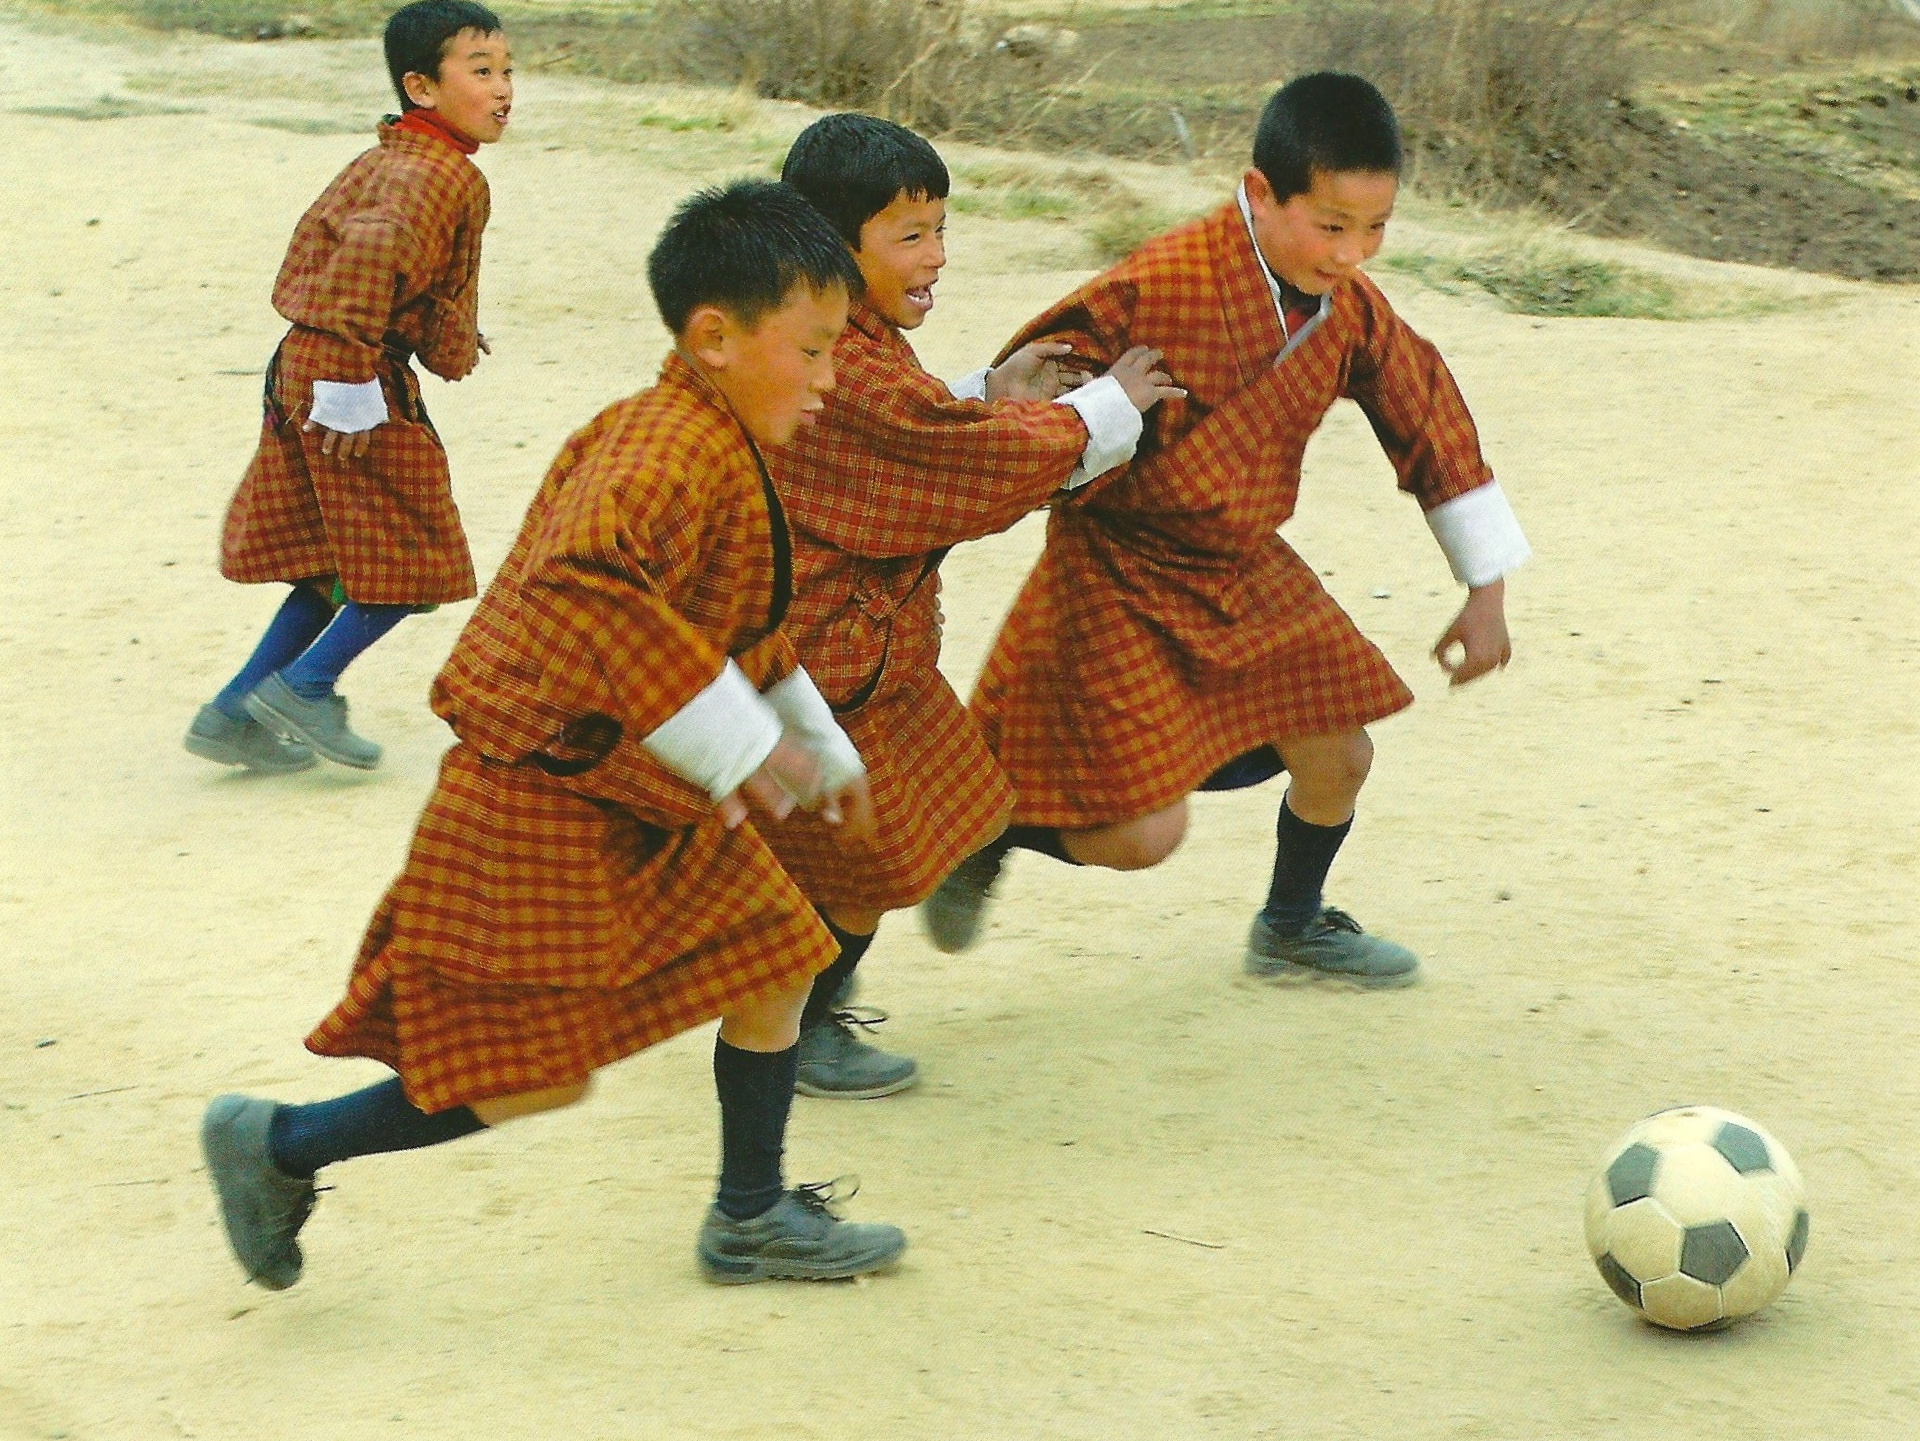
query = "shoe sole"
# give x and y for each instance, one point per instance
(744, 1270)
(868, 1093)
(222, 754)
(287, 728)
(1290, 973)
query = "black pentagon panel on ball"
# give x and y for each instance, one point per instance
(1797, 1242)
(1712, 1253)
(1630, 1177)
(1617, 1277)
(1745, 1150)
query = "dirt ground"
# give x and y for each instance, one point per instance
(1670, 855)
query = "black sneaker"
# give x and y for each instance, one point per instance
(800, 1239)
(836, 1062)
(263, 1208)
(953, 913)
(1331, 948)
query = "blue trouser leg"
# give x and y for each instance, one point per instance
(302, 616)
(357, 626)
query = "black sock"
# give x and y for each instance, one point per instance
(830, 982)
(1302, 856)
(302, 1139)
(756, 1093)
(1044, 839)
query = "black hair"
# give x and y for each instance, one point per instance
(743, 247)
(854, 166)
(1327, 122)
(417, 35)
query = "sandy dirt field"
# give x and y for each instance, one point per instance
(1670, 855)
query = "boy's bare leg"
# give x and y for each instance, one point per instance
(1129, 845)
(530, 1103)
(835, 1063)
(1295, 937)
(768, 1022)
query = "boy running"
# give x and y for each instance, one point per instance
(901, 467)
(348, 499)
(581, 884)
(1169, 641)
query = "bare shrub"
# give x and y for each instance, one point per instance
(1503, 101)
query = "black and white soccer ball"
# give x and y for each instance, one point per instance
(1697, 1217)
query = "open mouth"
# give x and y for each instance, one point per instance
(920, 297)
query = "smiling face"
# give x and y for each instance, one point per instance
(776, 373)
(1318, 238)
(474, 90)
(901, 254)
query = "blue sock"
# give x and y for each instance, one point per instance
(1303, 854)
(301, 617)
(302, 1139)
(756, 1096)
(353, 630)
(830, 982)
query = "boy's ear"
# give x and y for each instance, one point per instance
(706, 333)
(422, 90)
(1259, 188)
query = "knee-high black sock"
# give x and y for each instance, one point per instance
(302, 1139)
(1302, 856)
(1044, 839)
(756, 1094)
(830, 982)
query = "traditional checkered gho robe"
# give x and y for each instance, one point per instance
(383, 266)
(1167, 628)
(568, 900)
(897, 471)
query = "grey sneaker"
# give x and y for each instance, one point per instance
(217, 736)
(321, 723)
(1332, 948)
(953, 913)
(800, 1239)
(263, 1209)
(835, 1062)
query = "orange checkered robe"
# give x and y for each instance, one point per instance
(567, 900)
(383, 266)
(1166, 628)
(897, 471)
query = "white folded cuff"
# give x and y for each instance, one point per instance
(1113, 428)
(720, 737)
(810, 722)
(348, 409)
(1480, 535)
(971, 386)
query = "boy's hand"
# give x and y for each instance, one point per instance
(788, 771)
(1146, 385)
(851, 809)
(348, 445)
(1480, 632)
(1031, 373)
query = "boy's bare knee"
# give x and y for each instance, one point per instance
(1132, 845)
(530, 1103)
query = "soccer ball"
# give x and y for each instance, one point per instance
(1696, 1218)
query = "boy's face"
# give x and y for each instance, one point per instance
(901, 254)
(776, 373)
(1317, 239)
(474, 90)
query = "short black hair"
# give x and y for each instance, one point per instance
(854, 166)
(1327, 122)
(417, 35)
(743, 247)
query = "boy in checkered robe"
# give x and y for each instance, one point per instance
(348, 498)
(583, 882)
(901, 467)
(1169, 641)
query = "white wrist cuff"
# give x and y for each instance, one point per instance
(1480, 535)
(348, 409)
(720, 737)
(809, 721)
(971, 386)
(1113, 428)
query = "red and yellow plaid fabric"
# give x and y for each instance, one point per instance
(567, 900)
(1167, 628)
(896, 471)
(384, 264)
